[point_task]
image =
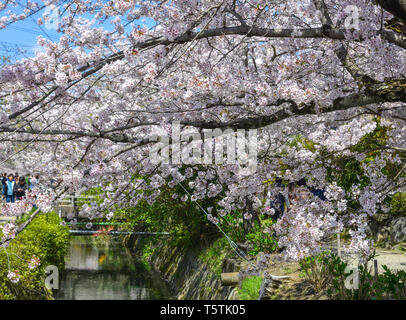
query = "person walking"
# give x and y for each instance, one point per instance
(10, 189)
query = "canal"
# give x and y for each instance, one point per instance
(102, 268)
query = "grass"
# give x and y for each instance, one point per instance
(249, 289)
(214, 255)
(288, 270)
(147, 252)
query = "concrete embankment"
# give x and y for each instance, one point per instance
(188, 277)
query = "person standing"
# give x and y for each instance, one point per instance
(10, 189)
(3, 183)
(33, 181)
(21, 188)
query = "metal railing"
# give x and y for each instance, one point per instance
(73, 202)
(115, 232)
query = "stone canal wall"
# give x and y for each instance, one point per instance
(188, 277)
(388, 230)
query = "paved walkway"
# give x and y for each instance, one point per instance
(393, 259)
(4, 220)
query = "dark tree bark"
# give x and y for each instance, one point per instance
(396, 7)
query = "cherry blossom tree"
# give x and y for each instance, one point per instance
(85, 109)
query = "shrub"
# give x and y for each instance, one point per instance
(261, 241)
(43, 238)
(399, 203)
(323, 270)
(327, 270)
(386, 286)
(187, 224)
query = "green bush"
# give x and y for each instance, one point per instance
(399, 203)
(328, 271)
(319, 269)
(261, 241)
(43, 238)
(386, 286)
(187, 224)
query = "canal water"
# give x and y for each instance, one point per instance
(102, 268)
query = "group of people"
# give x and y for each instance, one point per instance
(14, 187)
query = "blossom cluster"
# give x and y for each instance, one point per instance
(34, 262)
(14, 276)
(9, 231)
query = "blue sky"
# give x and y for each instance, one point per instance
(23, 34)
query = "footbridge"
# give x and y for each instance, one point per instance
(69, 207)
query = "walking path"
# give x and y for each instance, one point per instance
(4, 220)
(393, 259)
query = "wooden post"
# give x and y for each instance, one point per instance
(375, 268)
(264, 283)
(358, 280)
(230, 278)
(75, 213)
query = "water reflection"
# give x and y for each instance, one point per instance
(104, 269)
